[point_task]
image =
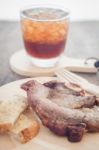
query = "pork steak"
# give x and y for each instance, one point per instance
(62, 109)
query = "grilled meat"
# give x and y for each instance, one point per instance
(60, 94)
(71, 101)
(75, 133)
(66, 96)
(62, 119)
(91, 118)
(61, 87)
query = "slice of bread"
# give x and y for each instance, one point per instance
(26, 127)
(10, 110)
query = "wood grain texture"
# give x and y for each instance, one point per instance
(83, 42)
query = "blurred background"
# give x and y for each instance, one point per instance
(80, 9)
(83, 37)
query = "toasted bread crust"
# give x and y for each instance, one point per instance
(28, 133)
(5, 127)
(10, 110)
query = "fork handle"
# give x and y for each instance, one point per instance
(91, 88)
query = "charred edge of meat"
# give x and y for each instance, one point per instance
(97, 101)
(53, 84)
(75, 133)
(58, 129)
(26, 86)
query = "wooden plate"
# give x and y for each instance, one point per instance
(20, 64)
(45, 140)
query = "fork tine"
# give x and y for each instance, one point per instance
(72, 78)
(62, 77)
(74, 75)
(63, 74)
(69, 76)
(65, 77)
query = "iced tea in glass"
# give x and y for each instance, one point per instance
(45, 30)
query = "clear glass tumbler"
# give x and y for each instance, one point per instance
(44, 30)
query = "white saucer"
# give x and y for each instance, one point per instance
(20, 64)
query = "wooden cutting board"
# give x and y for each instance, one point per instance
(45, 140)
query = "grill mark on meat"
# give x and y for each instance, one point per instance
(62, 121)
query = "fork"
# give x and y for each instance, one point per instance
(70, 77)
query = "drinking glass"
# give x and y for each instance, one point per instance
(45, 30)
